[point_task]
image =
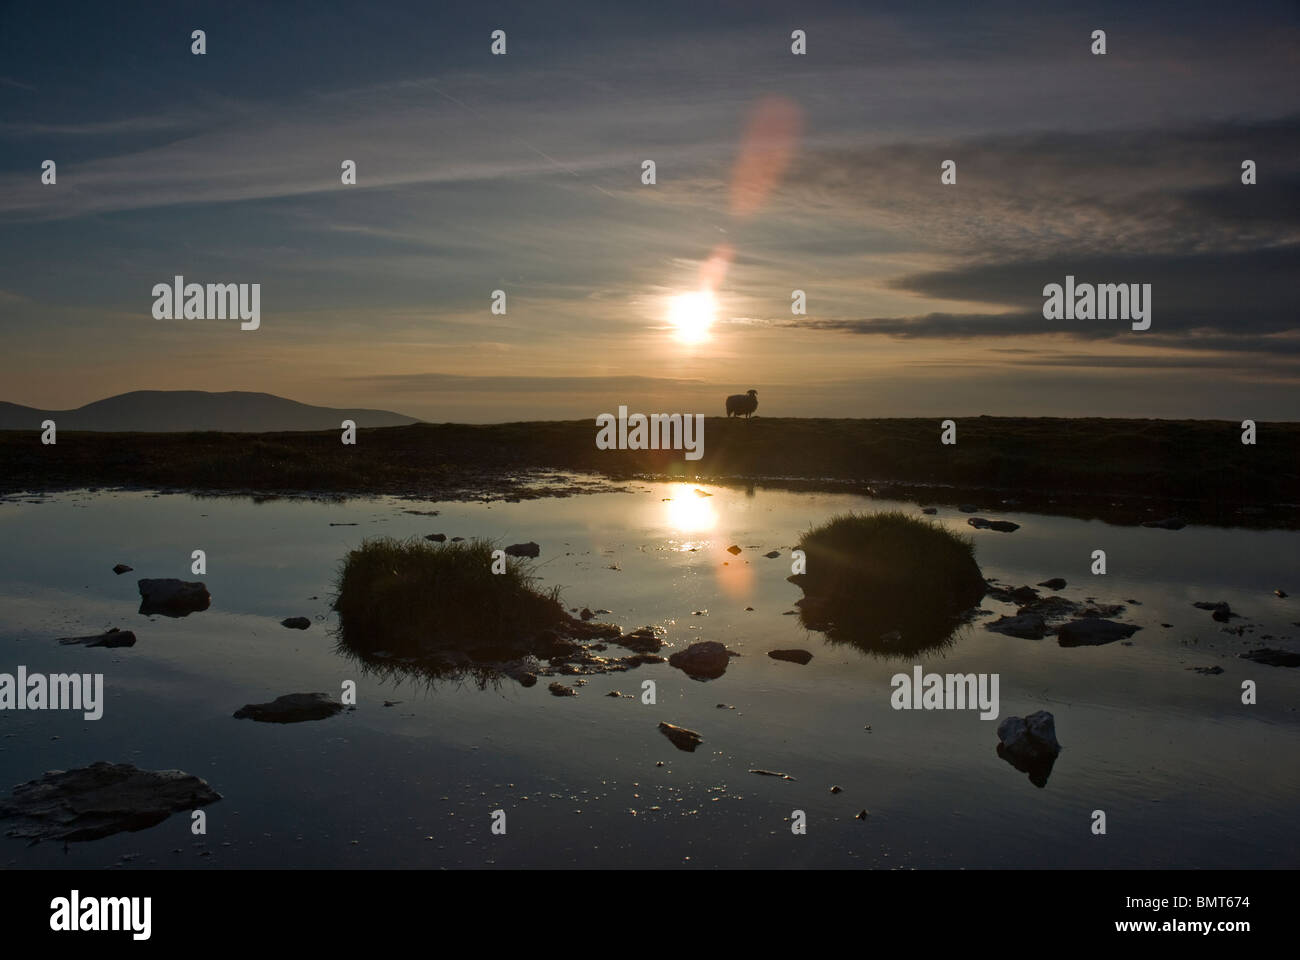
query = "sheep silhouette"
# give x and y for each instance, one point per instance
(742, 404)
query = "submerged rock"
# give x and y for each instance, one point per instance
(528, 549)
(1030, 626)
(1051, 608)
(793, 656)
(100, 800)
(1273, 658)
(291, 708)
(734, 550)
(639, 658)
(644, 640)
(1056, 583)
(1023, 594)
(1094, 631)
(704, 660)
(560, 690)
(1029, 744)
(772, 554)
(172, 598)
(520, 671)
(682, 738)
(1207, 671)
(113, 638)
(1169, 523)
(296, 623)
(122, 568)
(1004, 526)
(1219, 610)
(436, 537)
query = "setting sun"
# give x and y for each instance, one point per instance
(691, 315)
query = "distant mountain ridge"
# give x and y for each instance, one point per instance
(168, 411)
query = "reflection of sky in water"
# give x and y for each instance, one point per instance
(1186, 774)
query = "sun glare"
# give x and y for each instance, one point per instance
(687, 512)
(691, 315)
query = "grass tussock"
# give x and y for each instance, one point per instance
(413, 596)
(870, 575)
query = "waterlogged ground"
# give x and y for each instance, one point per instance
(1186, 774)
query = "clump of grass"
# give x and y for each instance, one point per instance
(412, 597)
(874, 574)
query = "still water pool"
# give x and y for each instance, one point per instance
(1186, 774)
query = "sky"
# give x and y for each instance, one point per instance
(774, 172)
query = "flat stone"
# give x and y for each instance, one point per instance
(1219, 610)
(682, 738)
(1052, 608)
(1030, 626)
(793, 656)
(1004, 526)
(296, 623)
(172, 598)
(704, 660)
(100, 800)
(291, 708)
(113, 638)
(1093, 632)
(1273, 658)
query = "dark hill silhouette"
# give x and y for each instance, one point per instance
(149, 411)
